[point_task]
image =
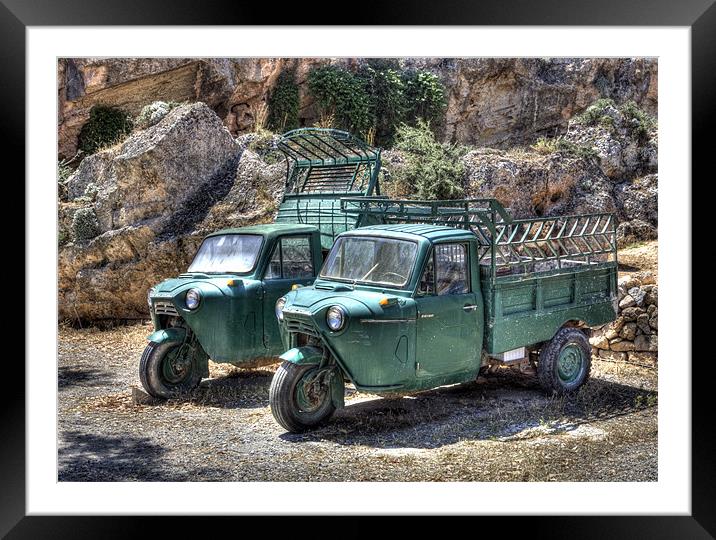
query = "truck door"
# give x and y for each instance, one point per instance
(448, 314)
(291, 263)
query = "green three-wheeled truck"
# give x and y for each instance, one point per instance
(433, 291)
(223, 306)
(391, 296)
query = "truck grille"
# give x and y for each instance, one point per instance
(164, 308)
(300, 325)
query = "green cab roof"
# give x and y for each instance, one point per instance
(268, 229)
(432, 233)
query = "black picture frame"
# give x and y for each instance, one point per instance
(699, 15)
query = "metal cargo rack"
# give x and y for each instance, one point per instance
(323, 165)
(508, 246)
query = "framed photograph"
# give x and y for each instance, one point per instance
(405, 268)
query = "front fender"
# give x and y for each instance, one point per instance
(306, 356)
(303, 356)
(168, 335)
(178, 335)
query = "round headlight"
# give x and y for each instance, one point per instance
(335, 318)
(193, 297)
(279, 308)
(150, 293)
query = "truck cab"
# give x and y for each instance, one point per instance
(436, 291)
(222, 307)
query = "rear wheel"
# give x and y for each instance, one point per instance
(565, 361)
(169, 370)
(300, 396)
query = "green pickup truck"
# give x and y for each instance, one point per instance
(432, 292)
(223, 306)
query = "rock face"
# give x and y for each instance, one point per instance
(135, 213)
(158, 170)
(154, 197)
(574, 175)
(532, 184)
(491, 102)
(633, 336)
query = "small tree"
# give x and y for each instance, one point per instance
(283, 103)
(388, 106)
(339, 93)
(434, 168)
(106, 126)
(425, 96)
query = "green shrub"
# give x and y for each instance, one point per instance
(153, 113)
(425, 96)
(545, 145)
(264, 144)
(340, 93)
(63, 173)
(376, 99)
(85, 225)
(434, 169)
(283, 103)
(106, 126)
(559, 144)
(577, 150)
(388, 106)
(639, 121)
(62, 237)
(593, 114)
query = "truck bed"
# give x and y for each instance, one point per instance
(525, 309)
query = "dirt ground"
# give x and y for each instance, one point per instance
(498, 428)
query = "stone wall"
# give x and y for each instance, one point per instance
(633, 336)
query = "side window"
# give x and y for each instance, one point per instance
(274, 268)
(451, 270)
(427, 280)
(297, 261)
(291, 258)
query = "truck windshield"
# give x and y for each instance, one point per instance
(230, 253)
(381, 261)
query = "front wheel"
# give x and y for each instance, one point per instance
(300, 396)
(565, 361)
(168, 370)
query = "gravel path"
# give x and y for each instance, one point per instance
(499, 428)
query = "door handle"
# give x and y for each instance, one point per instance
(469, 307)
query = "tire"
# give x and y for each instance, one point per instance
(284, 399)
(565, 361)
(155, 374)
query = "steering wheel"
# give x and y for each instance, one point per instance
(402, 278)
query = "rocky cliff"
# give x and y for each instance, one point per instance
(135, 213)
(490, 102)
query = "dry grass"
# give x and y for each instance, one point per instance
(640, 256)
(259, 112)
(498, 428)
(325, 120)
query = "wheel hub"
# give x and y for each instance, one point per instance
(311, 392)
(177, 365)
(570, 363)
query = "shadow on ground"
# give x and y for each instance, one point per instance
(623, 267)
(85, 457)
(244, 389)
(498, 407)
(72, 376)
